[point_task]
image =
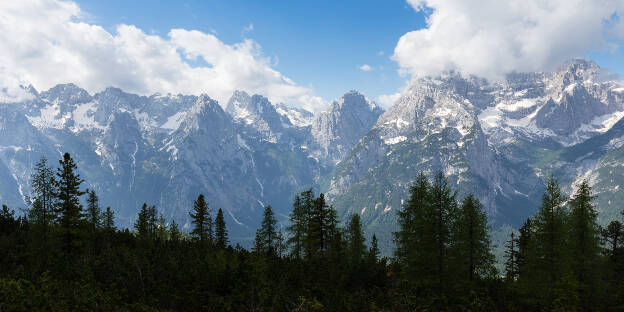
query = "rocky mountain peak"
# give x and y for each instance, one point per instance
(67, 93)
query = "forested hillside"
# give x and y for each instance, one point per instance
(61, 255)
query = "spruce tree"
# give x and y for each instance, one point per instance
(298, 227)
(415, 246)
(511, 258)
(614, 238)
(471, 247)
(109, 220)
(373, 251)
(268, 232)
(93, 213)
(161, 228)
(221, 234)
(322, 227)
(142, 224)
(68, 205)
(584, 244)
(202, 220)
(355, 237)
(550, 238)
(174, 232)
(443, 206)
(43, 201)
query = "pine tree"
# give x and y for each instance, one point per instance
(94, 212)
(471, 247)
(355, 237)
(109, 220)
(68, 206)
(268, 232)
(221, 234)
(584, 244)
(202, 220)
(511, 258)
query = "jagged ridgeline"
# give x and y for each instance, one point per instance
(496, 140)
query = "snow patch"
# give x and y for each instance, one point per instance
(395, 140)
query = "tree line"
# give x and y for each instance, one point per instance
(61, 255)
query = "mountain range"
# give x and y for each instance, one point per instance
(498, 140)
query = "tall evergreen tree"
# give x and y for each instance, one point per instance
(268, 232)
(511, 258)
(174, 232)
(68, 206)
(322, 227)
(355, 238)
(142, 224)
(550, 238)
(614, 238)
(109, 220)
(93, 213)
(161, 228)
(43, 201)
(415, 246)
(297, 228)
(443, 205)
(202, 220)
(471, 247)
(584, 245)
(221, 234)
(373, 251)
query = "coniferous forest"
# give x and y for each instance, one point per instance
(61, 255)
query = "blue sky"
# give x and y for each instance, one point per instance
(302, 53)
(318, 44)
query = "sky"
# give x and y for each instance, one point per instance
(302, 53)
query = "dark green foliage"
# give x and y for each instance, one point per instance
(174, 232)
(373, 252)
(267, 236)
(202, 220)
(511, 258)
(109, 220)
(443, 260)
(355, 239)
(221, 234)
(68, 205)
(93, 213)
(471, 247)
(584, 246)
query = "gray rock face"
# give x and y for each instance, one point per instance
(337, 129)
(496, 140)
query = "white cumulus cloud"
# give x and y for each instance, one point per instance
(46, 42)
(490, 38)
(365, 68)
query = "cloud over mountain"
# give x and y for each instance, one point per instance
(45, 42)
(490, 38)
